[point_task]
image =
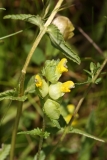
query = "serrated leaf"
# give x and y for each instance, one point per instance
(31, 85)
(4, 151)
(58, 41)
(36, 132)
(34, 19)
(12, 95)
(78, 131)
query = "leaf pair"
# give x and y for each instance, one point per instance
(55, 36)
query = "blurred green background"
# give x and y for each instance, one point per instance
(90, 21)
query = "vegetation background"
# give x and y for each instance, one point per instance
(90, 21)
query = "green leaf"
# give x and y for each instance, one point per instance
(12, 95)
(78, 131)
(98, 80)
(57, 41)
(31, 85)
(92, 67)
(88, 72)
(56, 123)
(42, 156)
(36, 132)
(11, 34)
(4, 151)
(26, 17)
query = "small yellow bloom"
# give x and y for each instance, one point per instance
(41, 85)
(71, 108)
(38, 81)
(61, 67)
(67, 86)
(67, 119)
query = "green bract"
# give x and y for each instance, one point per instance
(55, 91)
(52, 109)
(49, 71)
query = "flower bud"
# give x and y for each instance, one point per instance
(59, 89)
(65, 26)
(41, 85)
(54, 69)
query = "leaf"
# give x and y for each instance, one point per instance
(31, 85)
(26, 17)
(36, 132)
(4, 151)
(11, 34)
(98, 80)
(57, 41)
(78, 131)
(42, 156)
(12, 95)
(56, 123)
(88, 72)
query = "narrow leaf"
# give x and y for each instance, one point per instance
(26, 17)
(12, 95)
(11, 34)
(57, 41)
(78, 131)
(36, 132)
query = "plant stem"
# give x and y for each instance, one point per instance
(23, 72)
(77, 109)
(19, 110)
(41, 139)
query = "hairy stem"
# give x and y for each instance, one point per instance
(77, 109)
(23, 72)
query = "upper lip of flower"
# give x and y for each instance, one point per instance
(62, 67)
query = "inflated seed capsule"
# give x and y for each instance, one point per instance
(65, 26)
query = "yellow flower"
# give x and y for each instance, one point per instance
(71, 108)
(59, 89)
(67, 118)
(61, 67)
(41, 85)
(67, 86)
(38, 81)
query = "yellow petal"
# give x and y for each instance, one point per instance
(38, 81)
(61, 67)
(67, 86)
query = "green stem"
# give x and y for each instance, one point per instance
(77, 109)
(23, 72)
(41, 139)
(19, 111)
